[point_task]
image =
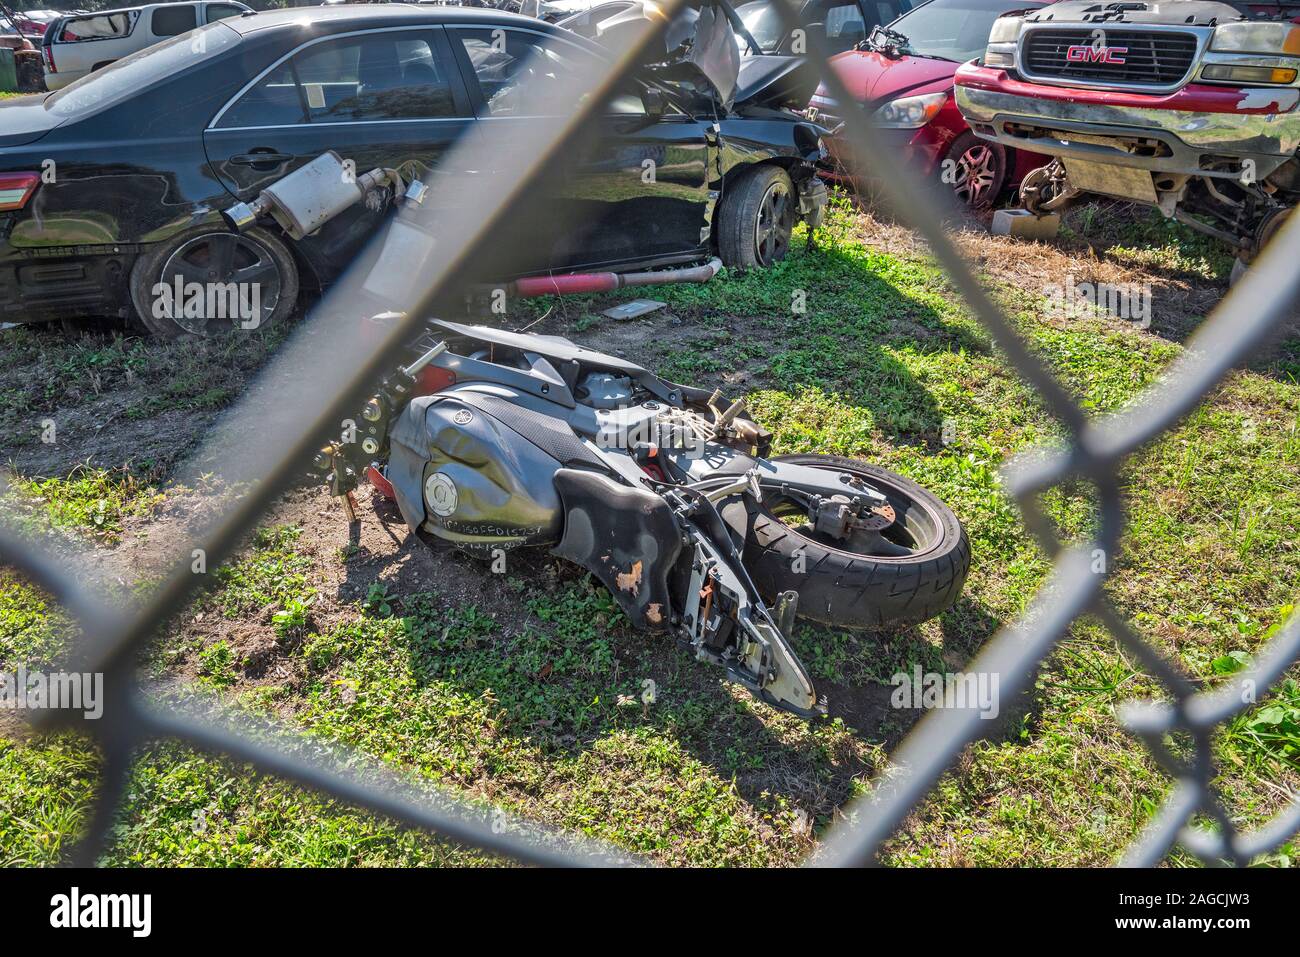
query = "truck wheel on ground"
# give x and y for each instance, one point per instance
(909, 572)
(226, 281)
(1267, 229)
(976, 170)
(757, 218)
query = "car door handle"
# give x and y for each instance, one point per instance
(256, 158)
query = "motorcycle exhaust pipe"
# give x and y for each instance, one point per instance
(589, 282)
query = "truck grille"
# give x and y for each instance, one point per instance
(1149, 57)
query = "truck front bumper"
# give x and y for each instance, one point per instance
(1188, 131)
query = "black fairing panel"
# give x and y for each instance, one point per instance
(495, 489)
(627, 537)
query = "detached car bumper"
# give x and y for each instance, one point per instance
(1187, 131)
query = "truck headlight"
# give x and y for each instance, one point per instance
(911, 112)
(1001, 50)
(1256, 38)
(1005, 30)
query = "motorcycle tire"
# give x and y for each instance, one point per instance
(922, 577)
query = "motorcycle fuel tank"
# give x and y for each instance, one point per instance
(461, 474)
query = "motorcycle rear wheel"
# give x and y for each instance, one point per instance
(912, 571)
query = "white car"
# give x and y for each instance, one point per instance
(74, 46)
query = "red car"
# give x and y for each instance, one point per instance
(904, 72)
(32, 23)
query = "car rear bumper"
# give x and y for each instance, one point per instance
(43, 288)
(57, 81)
(1183, 132)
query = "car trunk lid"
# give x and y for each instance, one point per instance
(24, 119)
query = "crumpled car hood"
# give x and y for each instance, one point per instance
(701, 50)
(776, 81)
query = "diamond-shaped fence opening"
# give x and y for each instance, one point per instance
(264, 445)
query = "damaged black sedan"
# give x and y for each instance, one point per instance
(112, 190)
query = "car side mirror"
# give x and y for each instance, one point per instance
(653, 101)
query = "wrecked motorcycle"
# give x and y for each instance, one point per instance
(494, 440)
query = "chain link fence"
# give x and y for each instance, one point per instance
(263, 446)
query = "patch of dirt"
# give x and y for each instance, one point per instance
(103, 436)
(1179, 301)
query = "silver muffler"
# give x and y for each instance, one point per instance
(309, 197)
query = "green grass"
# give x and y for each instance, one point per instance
(33, 629)
(90, 501)
(1144, 238)
(543, 711)
(45, 375)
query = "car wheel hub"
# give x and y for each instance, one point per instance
(975, 173)
(216, 282)
(774, 226)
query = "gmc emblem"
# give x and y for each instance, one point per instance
(1095, 54)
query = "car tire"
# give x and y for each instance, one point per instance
(758, 214)
(978, 168)
(258, 259)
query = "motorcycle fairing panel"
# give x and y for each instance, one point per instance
(627, 537)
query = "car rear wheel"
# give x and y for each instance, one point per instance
(757, 218)
(208, 281)
(976, 170)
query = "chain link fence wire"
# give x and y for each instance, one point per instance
(262, 446)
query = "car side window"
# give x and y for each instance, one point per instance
(391, 75)
(220, 11)
(276, 101)
(845, 27)
(518, 71)
(173, 21)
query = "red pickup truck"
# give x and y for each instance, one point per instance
(1188, 106)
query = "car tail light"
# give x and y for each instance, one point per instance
(16, 189)
(48, 51)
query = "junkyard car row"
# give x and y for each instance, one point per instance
(149, 149)
(1187, 107)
